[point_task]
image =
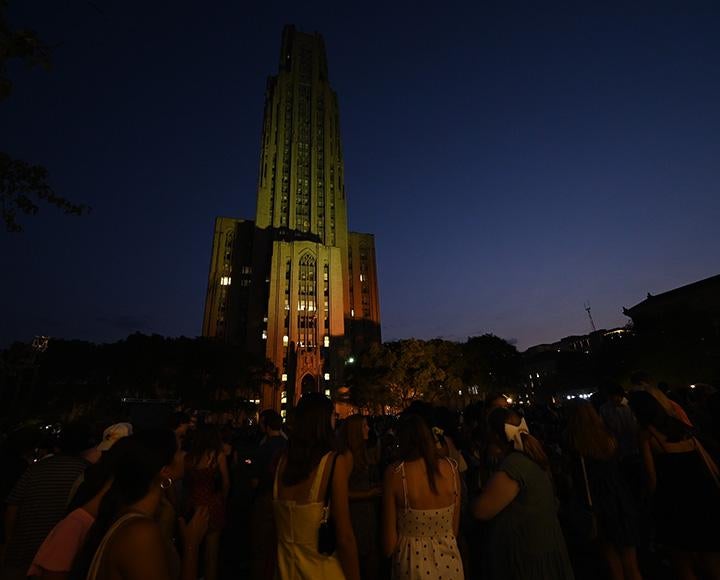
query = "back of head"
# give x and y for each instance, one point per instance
(588, 434)
(501, 417)
(271, 419)
(311, 437)
(650, 413)
(177, 419)
(415, 441)
(76, 437)
(205, 440)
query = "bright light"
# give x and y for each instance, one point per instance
(460, 392)
(225, 280)
(326, 341)
(286, 339)
(352, 312)
(327, 392)
(264, 334)
(692, 386)
(509, 400)
(351, 360)
(283, 377)
(327, 376)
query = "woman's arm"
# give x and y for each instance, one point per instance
(648, 461)
(389, 513)
(224, 474)
(192, 536)
(497, 495)
(340, 508)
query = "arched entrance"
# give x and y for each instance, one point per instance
(308, 384)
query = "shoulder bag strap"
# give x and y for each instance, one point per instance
(587, 484)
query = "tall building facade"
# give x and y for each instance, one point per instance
(295, 284)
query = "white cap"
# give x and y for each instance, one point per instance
(113, 433)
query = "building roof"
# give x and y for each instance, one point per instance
(703, 292)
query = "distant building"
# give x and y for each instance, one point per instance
(692, 311)
(295, 284)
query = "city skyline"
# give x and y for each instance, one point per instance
(513, 164)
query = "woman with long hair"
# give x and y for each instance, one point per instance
(307, 473)
(524, 540)
(363, 492)
(684, 482)
(207, 484)
(421, 507)
(597, 479)
(125, 540)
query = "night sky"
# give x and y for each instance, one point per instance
(513, 161)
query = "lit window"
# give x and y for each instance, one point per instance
(326, 341)
(327, 376)
(283, 413)
(352, 312)
(362, 277)
(327, 392)
(224, 280)
(264, 334)
(285, 340)
(283, 378)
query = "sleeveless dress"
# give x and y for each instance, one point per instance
(686, 502)
(297, 526)
(427, 548)
(202, 490)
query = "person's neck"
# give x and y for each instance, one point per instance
(147, 505)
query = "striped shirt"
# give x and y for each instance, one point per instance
(41, 497)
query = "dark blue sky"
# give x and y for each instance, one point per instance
(513, 161)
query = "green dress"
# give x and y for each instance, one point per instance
(525, 541)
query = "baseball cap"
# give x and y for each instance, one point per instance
(113, 433)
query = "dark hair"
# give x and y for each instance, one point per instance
(98, 474)
(272, 419)
(310, 439)
(613, 390)
(178, 418)
(76, 437)
(415, 441)
(147, 452)
(650, 413)
(497, 419)
(206, 439)
(638, 378)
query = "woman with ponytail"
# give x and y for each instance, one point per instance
(421, 507)
(126, 541)
(524, 539)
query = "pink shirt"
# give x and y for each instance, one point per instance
(57, 553)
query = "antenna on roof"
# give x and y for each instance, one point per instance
(592, 322)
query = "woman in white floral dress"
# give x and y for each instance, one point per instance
(421, 508)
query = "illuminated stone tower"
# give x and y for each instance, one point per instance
(296, 285)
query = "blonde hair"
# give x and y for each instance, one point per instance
(588, 434)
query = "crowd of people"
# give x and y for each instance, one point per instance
(622, 485)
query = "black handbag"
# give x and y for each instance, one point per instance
(326, 534)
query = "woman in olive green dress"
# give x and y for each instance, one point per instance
(524, 540)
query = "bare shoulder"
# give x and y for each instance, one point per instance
(140, 533)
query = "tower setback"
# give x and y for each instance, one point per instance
(295, 285)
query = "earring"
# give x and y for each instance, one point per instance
(165, 483)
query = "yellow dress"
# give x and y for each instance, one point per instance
(297, 527)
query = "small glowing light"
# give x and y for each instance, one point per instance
(283, 413)
(352, 312)
(283, 378)
(326, 341)
(327, 392)
(460, 392)
(692, 386)
(509, 400)
(327, 376)
(537, 375)
(264, 334)
(351, 360)
(286, 339)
